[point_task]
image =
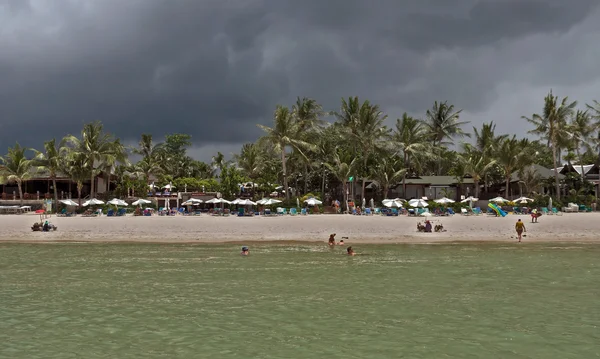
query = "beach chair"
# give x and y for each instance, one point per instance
(284, 211)
(110, 213)
(377, 210)
(545, 211)
(279, 211)
(368, 212)
(121, 212)
(241, 212)
(450, 211)
(464, 211)
(556, 212)
(303, 212)
(293, 211)
(267, 212)
(477, 211)
(226, 212)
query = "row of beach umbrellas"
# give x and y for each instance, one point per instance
(95, 201)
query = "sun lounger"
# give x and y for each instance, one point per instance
(556, 212)
(464, 212)
(450, 211)
(293, 211)
(477, 211)
(267, 212)
(303, 212)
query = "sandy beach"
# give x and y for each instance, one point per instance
(570, 227)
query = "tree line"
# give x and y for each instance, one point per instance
(317, 155)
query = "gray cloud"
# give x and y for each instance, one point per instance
(216, 68)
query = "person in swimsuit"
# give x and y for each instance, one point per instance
(332, 239)
(341, 243)
(245, 251)
(350, 251)
(520, 227)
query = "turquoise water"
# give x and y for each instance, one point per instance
(299, 301)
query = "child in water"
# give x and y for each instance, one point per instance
(245, 251)
(350, 251)
(332, 239)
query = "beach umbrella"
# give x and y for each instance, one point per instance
(218, 200)
(417, 202)
(68, 202)
(192, 202)
(245, 202)
(426, 214)
(470, 199)
(372, 203)
(297, 202)
(152, 185)
(498, 200)
(268, 201)
(236, 201)
(443, 200)
(141, 201)
(313, 202)
(524, 200)
(364, 202)
(550, 203)
(169, 186)
(118, 202)
(92, 202)
(396, 202)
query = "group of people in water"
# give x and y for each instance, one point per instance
(332, 243)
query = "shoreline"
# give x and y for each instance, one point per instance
(313, 229)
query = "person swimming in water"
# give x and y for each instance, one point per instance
(350, 251)
(245, 251)
(332, 239)
(341, 243)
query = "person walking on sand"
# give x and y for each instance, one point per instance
(520, 227)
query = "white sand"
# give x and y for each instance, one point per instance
(576, 227)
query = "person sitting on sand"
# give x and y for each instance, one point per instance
(350, 251)
(332, 239)
(46, 227)
(427, 226)
(520, 227)
(420, 227)
(245, 251)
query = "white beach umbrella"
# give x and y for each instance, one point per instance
(152, 185)
(444, 200)
(550, 203)
(470, 199)
(396, 202)
(297, 202)
(372, 203)
(417, 202)
(245, 202)
(268, 201)
(192, 202)
(68, 202)
(118, 202)
(236, 201)
(498, 200)
(141, 201)
(92, 201)
(426, 214)
(524, 200)
(218, 200)
(364, 202)
(169, 186)
(313, 202)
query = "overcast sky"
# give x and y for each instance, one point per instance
(216, 68)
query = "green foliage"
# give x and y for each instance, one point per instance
(230, 178)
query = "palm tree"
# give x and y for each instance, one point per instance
(364, 123)
(16, 167)
(388, 171)
(512, 155)
(307, 113)
(152, 156)
(99, 149)
(550, 126)
(76, 166)
(50, 161)
(442, 124)
(410, 140)
(476, 164)
(487, 142)
(342, 167)
(530, 178)
(580, 131)
(284, 134)
(249, 160)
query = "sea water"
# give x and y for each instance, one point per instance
(299, 301)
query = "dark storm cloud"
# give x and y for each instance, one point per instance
(216, 68)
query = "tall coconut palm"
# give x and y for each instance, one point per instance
(580, 131)
(388, 171)
(476, 164)
(550, 126)
(410, 141)
(342, 167)
(152, 155)
(364, 123)
(98, 148)
(443, 125)
(15, 167)
(50, 161)
(284, 134)
(308, 115)
(486, 141)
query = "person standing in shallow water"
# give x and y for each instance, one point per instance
(350, 251)
(520, 227)
(245, 251)
(332, 239)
